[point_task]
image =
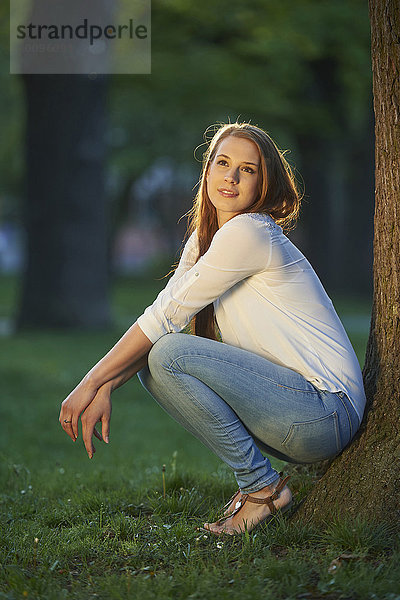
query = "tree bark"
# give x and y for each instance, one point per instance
(365, 478)
(65, 283)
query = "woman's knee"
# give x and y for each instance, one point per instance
(165, 350)
(144, 377)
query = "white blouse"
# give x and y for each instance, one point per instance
(267, 299)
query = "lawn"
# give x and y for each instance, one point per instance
(107, 528)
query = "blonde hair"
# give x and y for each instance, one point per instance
(277, 195)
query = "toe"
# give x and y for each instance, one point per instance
(212, 528)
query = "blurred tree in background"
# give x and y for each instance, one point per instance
(301, 70)
(65, 282)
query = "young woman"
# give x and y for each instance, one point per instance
(284, 379)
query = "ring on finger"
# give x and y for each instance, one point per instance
(66, 421)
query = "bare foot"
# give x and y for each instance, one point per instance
(250, 514)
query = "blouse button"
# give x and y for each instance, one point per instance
(196, 274)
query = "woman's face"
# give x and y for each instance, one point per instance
(232, 177)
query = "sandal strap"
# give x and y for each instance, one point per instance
(241, 503)
(280, 486)
(269, 499)
(231, 499)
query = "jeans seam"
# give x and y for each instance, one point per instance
(348, 416)
(194, 399)
(286, 387)
(339, 444)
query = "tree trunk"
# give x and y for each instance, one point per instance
(365, 478)
(65, 282)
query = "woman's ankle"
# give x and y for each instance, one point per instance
(270, 488)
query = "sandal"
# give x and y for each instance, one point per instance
(269, 500)
(231, 499)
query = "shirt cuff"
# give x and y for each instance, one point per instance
(150, 327)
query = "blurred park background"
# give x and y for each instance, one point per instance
(116, 159)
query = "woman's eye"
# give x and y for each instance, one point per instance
(223, 163)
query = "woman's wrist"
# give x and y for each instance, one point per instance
(129, 351)
(90, 382)
(109, 386)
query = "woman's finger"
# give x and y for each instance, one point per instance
(66, 424)
(87, 434)
(96, 433)
(105, 428)
(74, 425)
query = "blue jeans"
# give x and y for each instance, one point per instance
(238, 403)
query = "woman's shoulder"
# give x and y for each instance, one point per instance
(246, 232)
(253, 220)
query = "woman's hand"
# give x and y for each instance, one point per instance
(125, 359)
(98, 410)
(74, 405)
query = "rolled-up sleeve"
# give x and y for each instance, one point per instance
(187, 260)
(239, 249)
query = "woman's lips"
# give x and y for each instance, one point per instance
(227, 193)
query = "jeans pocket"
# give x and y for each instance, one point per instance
(311, 441)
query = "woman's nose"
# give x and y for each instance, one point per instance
(231, 177)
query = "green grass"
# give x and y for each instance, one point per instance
(102, 529)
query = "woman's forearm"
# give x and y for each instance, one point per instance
(128, 373)
(127, 357)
